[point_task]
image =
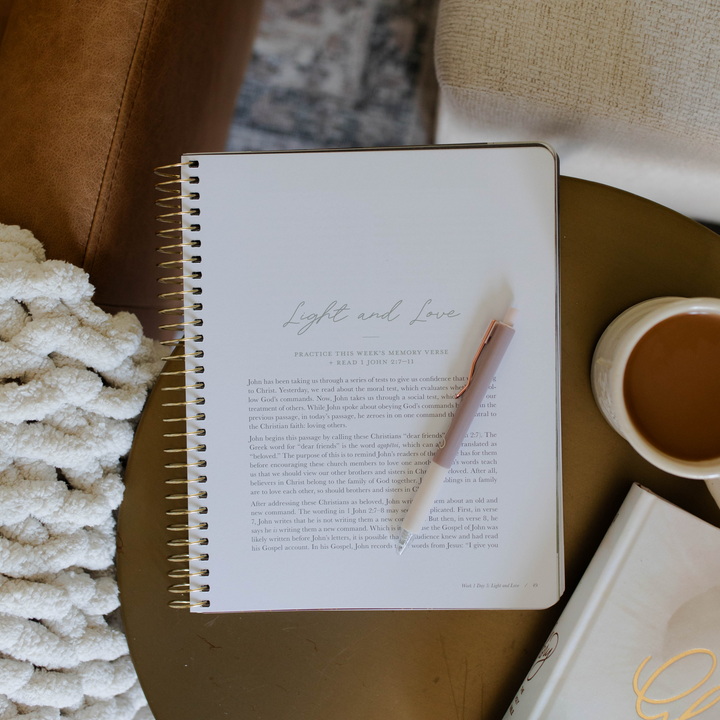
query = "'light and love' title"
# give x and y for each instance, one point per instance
(336, 313)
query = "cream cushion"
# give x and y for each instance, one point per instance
(627, 91)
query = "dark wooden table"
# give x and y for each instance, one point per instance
(616, 250)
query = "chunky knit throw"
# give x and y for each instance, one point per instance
(73, 378)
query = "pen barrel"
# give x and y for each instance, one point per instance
(424, 498)
(485, 369)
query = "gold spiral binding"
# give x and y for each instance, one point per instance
(179, 527)
(178, 279)
(181, 340)
(187, 558)
(185, 481)
(178, 293)
(180, 247)
(184, 542)
(184, 573)
(170, 203)
(199, 417)
(186, 604)
(177, 248)
(185, 511)
(199, 448)
(180, 310)
(186, 496)
(180, 466)
(184, 588)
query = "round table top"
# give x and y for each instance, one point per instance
(617, 249)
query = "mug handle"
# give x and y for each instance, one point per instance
(714, 488)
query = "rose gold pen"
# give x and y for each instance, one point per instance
(484, 366)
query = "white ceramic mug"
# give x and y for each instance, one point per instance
(608, 371)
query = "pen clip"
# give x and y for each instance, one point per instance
(483, 343)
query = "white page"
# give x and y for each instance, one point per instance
(318, 432)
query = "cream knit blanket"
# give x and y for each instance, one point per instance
(73, 378)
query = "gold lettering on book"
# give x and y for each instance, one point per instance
(695, 708)
(548, 649)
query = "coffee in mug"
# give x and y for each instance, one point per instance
(671, 386)
(656, 379)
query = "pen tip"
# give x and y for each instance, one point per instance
(403, 540)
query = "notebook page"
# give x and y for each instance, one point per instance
(344, 295)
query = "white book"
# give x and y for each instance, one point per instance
(640, 635)
(344, 294)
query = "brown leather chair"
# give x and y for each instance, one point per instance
(94, 96)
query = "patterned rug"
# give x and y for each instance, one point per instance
(338, 73)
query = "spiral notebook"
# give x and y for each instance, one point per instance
(331, 303)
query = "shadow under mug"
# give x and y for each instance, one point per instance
(607, 379)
